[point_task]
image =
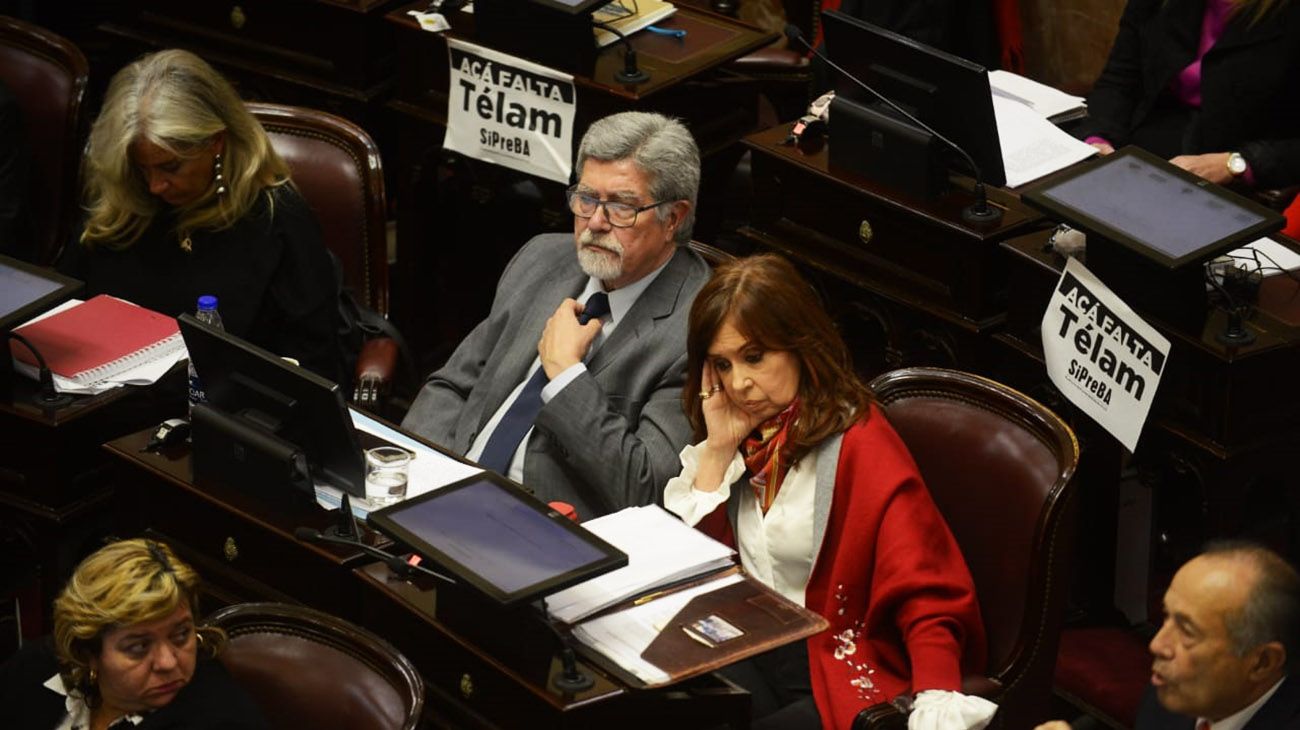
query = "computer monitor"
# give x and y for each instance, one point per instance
(266, 405)
(554, 33)
(491, 534)
(947, 92)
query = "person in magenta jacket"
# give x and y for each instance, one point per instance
(797, 468)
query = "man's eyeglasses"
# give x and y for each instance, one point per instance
(619, 215)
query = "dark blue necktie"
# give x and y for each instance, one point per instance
(504, 441)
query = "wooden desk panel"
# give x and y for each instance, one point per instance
(241, 543)
(1222, 398)
(487, 668)
(55, 486)
(1217, 456)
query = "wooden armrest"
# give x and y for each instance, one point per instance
(883, 716)
(376, 367)
(1279, 198)
(771, 60)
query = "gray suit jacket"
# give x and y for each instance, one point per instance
(610, 438)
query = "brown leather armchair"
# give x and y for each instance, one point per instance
(48, 76)
(1000, 467)
(337, 168)
(305, 668)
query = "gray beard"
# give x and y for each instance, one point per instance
(600, 265)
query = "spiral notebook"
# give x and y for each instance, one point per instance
(98, 339)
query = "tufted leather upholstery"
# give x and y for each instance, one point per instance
(337, 168)
(1000, 467)
(308, 669)
(48, 76)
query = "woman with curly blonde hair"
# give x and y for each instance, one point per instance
(126, 652)
(186, 196)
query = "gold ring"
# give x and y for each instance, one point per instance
(704, 394)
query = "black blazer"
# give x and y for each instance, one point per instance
(1250, 84)
(211, 701)
(1281, 712)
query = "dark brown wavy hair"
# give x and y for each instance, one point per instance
(771, 305)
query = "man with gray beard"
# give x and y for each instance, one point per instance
(572, 385)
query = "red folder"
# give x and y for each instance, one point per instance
(95, 339)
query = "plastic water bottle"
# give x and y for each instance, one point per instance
(208, 315)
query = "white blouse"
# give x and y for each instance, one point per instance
(776, 548)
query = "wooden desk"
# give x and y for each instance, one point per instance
(55, 489)
(484, 668)
(495, 670)
(461, 220)
(1217, 456)
(241, 543)
(909, 281)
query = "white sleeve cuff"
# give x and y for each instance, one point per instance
(691, 504)
(553, 388)
(937, 709)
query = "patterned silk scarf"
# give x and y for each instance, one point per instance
(763, 457)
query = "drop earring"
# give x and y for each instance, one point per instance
(218, 180)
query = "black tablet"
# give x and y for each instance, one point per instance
(494, 536)
(1152, 207)
(27, 290)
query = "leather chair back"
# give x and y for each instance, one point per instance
(48, 76)
(1000, 467)
(305, 669)
(337, 168)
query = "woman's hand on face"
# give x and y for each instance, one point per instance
(727, 423)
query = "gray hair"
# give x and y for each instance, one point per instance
(1272, 610)
(659, 146)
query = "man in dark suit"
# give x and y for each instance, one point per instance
(1226, 656)
(587, 412)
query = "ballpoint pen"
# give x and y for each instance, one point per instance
(674, 32)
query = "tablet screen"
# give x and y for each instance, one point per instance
(492, 535)
(1147, 204)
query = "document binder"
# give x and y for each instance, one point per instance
(750, 617)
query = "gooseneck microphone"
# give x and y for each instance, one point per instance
(631, 73)
(978, 212)
(394, 563)
(48, 395)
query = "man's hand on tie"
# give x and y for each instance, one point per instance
(564, 342)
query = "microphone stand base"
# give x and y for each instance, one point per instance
(991, 215)
(52, 400)
(1236, 338)
(575, 683)
(632, 77)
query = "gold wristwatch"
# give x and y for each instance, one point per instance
(1236, 164)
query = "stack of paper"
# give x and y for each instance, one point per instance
(619, 14)
(1032, 146)
(1054, 104)
(660, 550)
(624, 636)
(430, 468)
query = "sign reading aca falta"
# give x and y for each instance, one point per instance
(510, 112)
(1103, 358)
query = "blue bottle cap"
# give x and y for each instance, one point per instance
(207, 302)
